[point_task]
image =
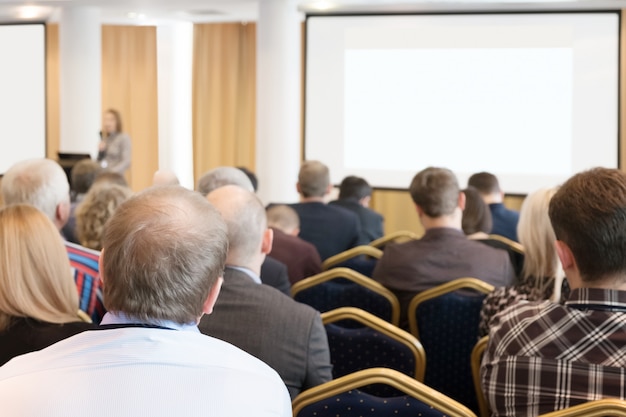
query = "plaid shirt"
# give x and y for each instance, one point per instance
(543, 356)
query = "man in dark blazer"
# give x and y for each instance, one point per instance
(355, 195)
(330, 229)
(286, 335)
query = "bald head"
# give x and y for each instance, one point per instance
(40, 183)
(222, 176)
(165, 177)
(247, 225)
(284, 218)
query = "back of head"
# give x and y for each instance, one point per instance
(537, 235)
(84, 174)
(251, 176)
(313, 179)
(38, 182)
(222, 176)
(35, 276)
(283, 217)
(354, 188)
(245, 219)
(436, 191)
(588, 213)
(93, 212)
(476, 215)
(164, 177)
(484, 182)
(163, 250)
(110, 177)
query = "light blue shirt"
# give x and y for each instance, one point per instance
(248, 272)
(121, 318)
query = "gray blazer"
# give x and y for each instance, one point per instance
(287, 335)
(117, 155)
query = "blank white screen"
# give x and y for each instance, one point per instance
(530, 97)
(22, 101)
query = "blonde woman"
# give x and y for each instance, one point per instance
(542, 276)
(96, 208)
(38, 298)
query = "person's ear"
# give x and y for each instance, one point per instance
(62, 213)
(298, 188)
(328, 189)
(214, 292)
(295, 231)
(419, 210)
(462, 200)
(100, 267)
(565, 255)
(365, 201)
(268, 240)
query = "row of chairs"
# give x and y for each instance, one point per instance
(345, 397)
(443, 321)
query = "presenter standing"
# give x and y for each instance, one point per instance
(114, 148)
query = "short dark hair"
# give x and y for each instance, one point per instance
(83, 175)
(436, 191)
(588, 213)
(476, 215)
(354, 187)
(164, 249)
(251, 176)
(484, 182)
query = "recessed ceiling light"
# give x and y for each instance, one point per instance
(322, 5)
(32, 12)
(135, 15)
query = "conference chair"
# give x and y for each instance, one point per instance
(343, 397)
(343, 287)
(609, 407)
(445, 320)
(399, 236)
(376, 343)
(477, 357)
(513, 245)
(345, 256)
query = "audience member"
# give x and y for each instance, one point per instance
(93, 212)
(301, 257)
(164, 253)
(355, 195)
(286, 335)
(443, 253)
(38, 300)
(542, 275)
(544, 356)
(504, 220)
(476, 225)
(273, 272)
(251, 176)
(43, 184)
(165, 177)
(82, 176)
(330, 229)
(110, 177)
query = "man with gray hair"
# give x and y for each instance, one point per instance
(162, 262)
(273, 272)
(329, 228)
(43, 184)
(286, 335)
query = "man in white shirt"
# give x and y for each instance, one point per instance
(163, 258)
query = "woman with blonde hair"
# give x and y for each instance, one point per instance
(542, 276)
(38, 297)
(96, 208)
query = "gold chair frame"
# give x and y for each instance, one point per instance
(354, 277)
(351, 253)
(384, 327)
(599, 408)
(396, 379)
(399, 235)
(457, 284)
(517, 247)
(477, 356)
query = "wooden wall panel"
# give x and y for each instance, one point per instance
(129, 85)
(52, 91)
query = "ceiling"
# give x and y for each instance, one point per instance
(151, 12)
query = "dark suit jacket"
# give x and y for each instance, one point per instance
(301, 257)
(274, 273)
(330, 229)
(504, 221)
(281, 332)
(371, 222)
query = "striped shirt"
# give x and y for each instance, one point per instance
(544, 356)
(84, 263)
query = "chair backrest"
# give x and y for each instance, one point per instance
(377, 344)
(363, 250)
(342, 397)
(401, 235)
(343, 287)
(477, 357)
(513, 245)
(600, 408)
(445, 320)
